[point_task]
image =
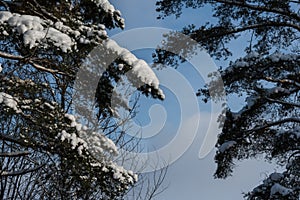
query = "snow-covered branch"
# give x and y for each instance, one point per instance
(270, 79)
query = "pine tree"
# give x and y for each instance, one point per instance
(267, 74)
(47, 152)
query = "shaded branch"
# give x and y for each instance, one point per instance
(260, 8)
(14, 154)
(283, 102)
(282, 81)
(270, 124)
(44, 12)
(11, 139)
(29, 60)
(20, 172)
(52, 71)
(246, 28)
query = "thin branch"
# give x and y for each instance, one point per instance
(52, 71)
(43, 11)
(246, 28)
(10, 139)
(5, 5)
(270, 124)
(261, 8)
(37, 66)
(10, 56)
(283, 102)
(297, 152)
(20, 172)
(15, 154)
(282, 81)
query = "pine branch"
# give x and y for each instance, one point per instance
(261, 8)
(227, 31)
(279, 122)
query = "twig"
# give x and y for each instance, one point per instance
(15, 154)
(20, 172)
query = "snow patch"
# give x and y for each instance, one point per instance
(140, 73)
(4, 16)
(33, 31)
(105, 5)
(276, 176)
(277, 188)
(95, 143)
(109, 8)
(276, 90)
(60, 40)
(99, 147)
(23, 23)
(9, 101)
(226, 145)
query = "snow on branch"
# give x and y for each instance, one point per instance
(33, 30)
(226, 145)
(255, 99)
(95, 146)
(279, 189)
(95, 143)
(98, 146)
(270, 79)
(105, 5)
(141, 73)
(274, 183)
(253, 58)
(109, 8)
(39, 32)
(9, 101)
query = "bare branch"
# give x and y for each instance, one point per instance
(283, 81)
(261, 8)
(44, 12)
(283, 102)
(37, 66)
(20, 172)
(15, 154)
(270, 124)
(250, 27)
(10, 56)
(10, 139)
(52, 71)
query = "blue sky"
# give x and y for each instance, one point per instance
(188, 177)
